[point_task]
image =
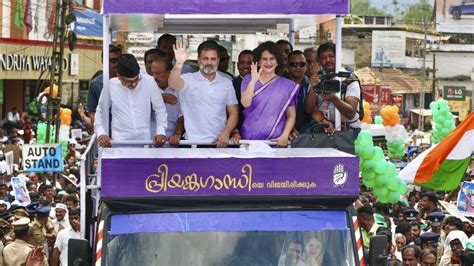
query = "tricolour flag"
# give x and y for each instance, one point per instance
(442, 166)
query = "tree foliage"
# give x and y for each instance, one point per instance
(415, 13)
(363, 8)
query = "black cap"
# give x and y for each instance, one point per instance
(128, 66)
(429, 237)
(410, 214)
(436, 218)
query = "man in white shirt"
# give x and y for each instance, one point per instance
(61, 221)
(160, 70)
(13, 120)
(61, 244)
(131, 97)
(207, 98)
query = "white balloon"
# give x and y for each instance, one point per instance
(64, 133)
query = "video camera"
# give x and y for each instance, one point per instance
(328, 84)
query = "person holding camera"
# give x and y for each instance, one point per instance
(322, 104)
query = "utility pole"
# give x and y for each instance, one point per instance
(423, 77)
(433, 84)
(381, 85)
(56, 70)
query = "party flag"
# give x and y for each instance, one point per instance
(18, 14)
(442, 166)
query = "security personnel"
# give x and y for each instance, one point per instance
(16, 253)
(430, 240)
(4, 230)
(20, 213)
(42, 228)
(435, 220)
(411, 214)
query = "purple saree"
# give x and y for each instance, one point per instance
(265, 118)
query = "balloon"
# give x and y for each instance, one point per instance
(378, 119)
(55, 91)
(368, 183)
(379, 155)
(369, 175)
(368, 166)
(392, 183)
(393, 196)
(64, 148)
(380, 192)
(381, 167)
(381, 180)
(368, 152)
(64, 133)
(402, 188)
(65, 116)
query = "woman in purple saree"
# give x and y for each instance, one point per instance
(269, 100)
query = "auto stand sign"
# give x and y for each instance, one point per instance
(42, 158)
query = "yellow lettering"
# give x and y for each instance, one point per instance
(175, 181)
(219, 184)
(191, 182)
(247, 175)
(157, 182)
(204, 185)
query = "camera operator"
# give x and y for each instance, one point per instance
(322, 106)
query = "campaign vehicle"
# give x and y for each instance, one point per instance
(207, 206)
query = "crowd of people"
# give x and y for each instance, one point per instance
(423, 230)
(273, 97)
(40, 212)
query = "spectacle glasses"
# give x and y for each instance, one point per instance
(129, 83)
(297, 64)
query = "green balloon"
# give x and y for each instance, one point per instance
(368, 153)
(369, 166)
(402, 188)
(381, 180)
(369, 175)
(368, 183)
(358, 149)
(381, 167)
(379, 155)
(392, 183)
(393, 196)
(378, 120)
(391, 170)
(380, 192)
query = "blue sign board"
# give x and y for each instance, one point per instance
(88, 24)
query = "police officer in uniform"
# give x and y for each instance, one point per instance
(42, 228)
(17, 252)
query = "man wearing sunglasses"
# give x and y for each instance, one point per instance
(130, 97)
(95, 86)
(297, 67)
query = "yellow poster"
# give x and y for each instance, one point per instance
(462, 108)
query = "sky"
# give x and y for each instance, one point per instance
(390, 8)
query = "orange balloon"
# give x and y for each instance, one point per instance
(55, 91)
(65, 116)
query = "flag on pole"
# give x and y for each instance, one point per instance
(18, 14)
(52, 17)
(442, 166)
(27, 18)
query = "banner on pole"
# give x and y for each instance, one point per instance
(42, 158)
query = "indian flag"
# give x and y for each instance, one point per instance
(442, 166)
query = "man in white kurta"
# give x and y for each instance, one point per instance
(130, 97)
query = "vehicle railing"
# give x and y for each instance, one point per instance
(183, 143)
(87, 179)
